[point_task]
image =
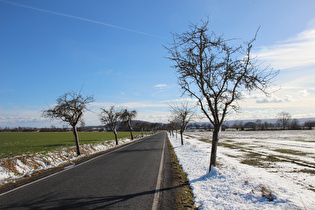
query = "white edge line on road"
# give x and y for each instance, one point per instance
(159, 180)
(74, 166)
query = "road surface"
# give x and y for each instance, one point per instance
(127, 178)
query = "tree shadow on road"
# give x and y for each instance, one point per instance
(51, 201)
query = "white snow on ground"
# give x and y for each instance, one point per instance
(234, 185)
(20, 166)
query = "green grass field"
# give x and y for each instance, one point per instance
(18, 143)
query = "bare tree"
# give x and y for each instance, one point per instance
(238, 125)
(110, 117)
(81, 126)
(182, 114)
(173, 124)
(215, 73)
(127, 116)
(70, 108)
(259, 125)
(283, 119)
(295, 124)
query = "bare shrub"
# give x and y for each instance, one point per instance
(267, 193)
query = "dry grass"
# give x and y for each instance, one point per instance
(29, 160)
(308, 171)
(183, 196)
(265, 192)
(9, 164)
(291, 152)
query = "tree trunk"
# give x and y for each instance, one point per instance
(215, 139)
(181, 137)
(130, 129)
(115, 132)
(75, 133)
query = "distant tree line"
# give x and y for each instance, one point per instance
(293, 124)
(257, 125)
(283, 122)
(137, 126)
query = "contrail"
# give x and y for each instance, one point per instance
(79, 18)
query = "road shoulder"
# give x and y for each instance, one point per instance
(179, 195)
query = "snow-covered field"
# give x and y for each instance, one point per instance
(256, 170)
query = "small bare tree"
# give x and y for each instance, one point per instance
(173, 125)
(127, 116)
(182, 114)
(70, 108)
(283, 119)
(215, 73)
(110, 117)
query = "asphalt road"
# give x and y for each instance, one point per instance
(126, 178)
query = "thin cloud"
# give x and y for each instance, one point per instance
(161, 86)
(275, 99)
(292, 53)
(154, 116)
(180, 100)
(79, 18)
(129, 104)
(304, 93)
(268, 113)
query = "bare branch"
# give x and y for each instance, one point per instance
(182, 115)
(214, 72)
(110, 117)
(70, 108)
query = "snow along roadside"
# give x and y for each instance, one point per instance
(232, 185)
(17, 167)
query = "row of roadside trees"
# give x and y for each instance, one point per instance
(71, 106)
(112, 116)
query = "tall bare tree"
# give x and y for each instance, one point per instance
(127, 116)
(70, 107)
(215, 73)
(110, 117)
(182, 114)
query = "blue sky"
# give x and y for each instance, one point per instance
(113, 49)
